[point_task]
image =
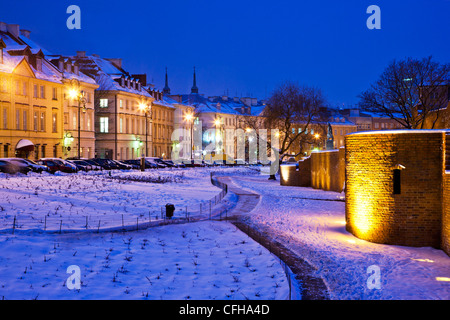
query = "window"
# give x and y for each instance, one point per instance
(42, 92)
(18, 119)
(121, 125)
(104, 125)
(74, 121)
(54, 123)
(17, 87)
(25, 89)
(35, 121)
(55, 93)
(25, 119)
(121, 104)
(35, 91)
(397, 181)
(88, 123)
(5, 118)
(103, 103)
(3, 84)
(42, 121)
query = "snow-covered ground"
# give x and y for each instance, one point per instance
(72, 201)
(201, 260)
(315, 230)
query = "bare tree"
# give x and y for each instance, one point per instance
(293, 110)
(409, 92)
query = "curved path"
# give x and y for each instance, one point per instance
(312, 287)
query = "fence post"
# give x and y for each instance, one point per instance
(45, 222)
(86, 222)
(14, 224)
(137, 223)
(123, 227)
(60, 226)
(98, 229)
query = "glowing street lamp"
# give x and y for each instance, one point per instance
(80, 96)
(189, 117)
(147, 109)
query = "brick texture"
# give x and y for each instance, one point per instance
(373, 211)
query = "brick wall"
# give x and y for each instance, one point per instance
(445, 236)
(296, 174)
(328, 170)
(373, 211)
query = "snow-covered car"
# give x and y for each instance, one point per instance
(61, 165)
(8, 167)
(23, 166)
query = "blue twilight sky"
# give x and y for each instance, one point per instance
(244, 47)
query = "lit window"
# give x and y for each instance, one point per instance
(104, 125)
(103, 103)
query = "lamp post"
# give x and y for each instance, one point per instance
(80, 96)
(147, 109)
(189, 117)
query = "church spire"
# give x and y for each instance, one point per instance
(194, 88)
(166, 89)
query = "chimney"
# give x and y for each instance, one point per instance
(13, 29)
(117, 62)
(61, 64)
(76, 69)
(81, 54)
(225, 98)
(254, 101)
(141, 77)
(122, 81)
(3, 27)
(236, 99)
(25, 33)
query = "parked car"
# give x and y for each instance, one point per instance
(175, 164)
(81, 165)
(102, 163)
(8, 167)
(156, 162)
(36, 167)
(51, 165)
(29, 163)
(164, 162)
(94, 165)
(23, 167)
(122, 165)
(135, 164)
(58, 165)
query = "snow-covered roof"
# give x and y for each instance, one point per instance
(107, 74)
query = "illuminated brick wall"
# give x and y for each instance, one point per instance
(328, 170)
(296, 174)
(374, 212)
(446, 216)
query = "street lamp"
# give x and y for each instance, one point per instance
(189, 117)
(218, 124)
(76, 94)
(147, 109)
